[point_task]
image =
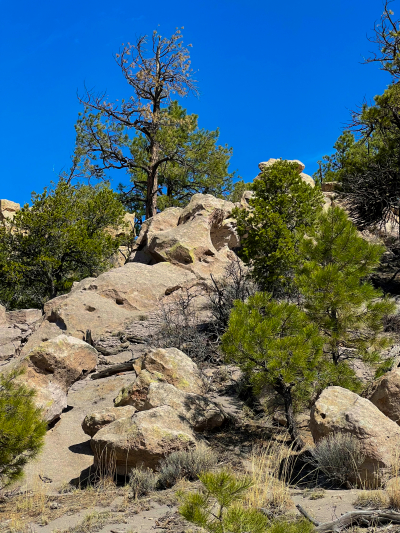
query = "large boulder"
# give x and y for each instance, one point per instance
(51, 368)
(198, 238)
(24, 316)
(176, 367)
(340, 410)
(66, 359)
(142, 439)
(201, 413)
(385, 394)
(135, 393)
(161, 365)
(93, 422)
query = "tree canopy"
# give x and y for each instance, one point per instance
(202, 166)
(335, 262)
(148, 134)
(64, 236)
(282, 208)
(275, 343)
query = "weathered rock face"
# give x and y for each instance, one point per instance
(3, 318)
(65, 359)
(15, 329)
(385, 395)
(8, 210)
(95, 421)
(170, 366)
(201, 413)
(51, 368)
(197, 238)
(176, 367)
(138, 287)
(109, 302)
(339, 410)
(143, 438)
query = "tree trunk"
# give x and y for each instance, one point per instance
(152, 189)
(286, 392)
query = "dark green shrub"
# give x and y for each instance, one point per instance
(21, 427)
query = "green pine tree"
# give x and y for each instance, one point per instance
(282, 209)
(21, 427)
(217, 508)
(338, 298)
(275, 343)
(64, 236)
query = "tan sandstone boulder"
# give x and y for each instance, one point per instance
(109, 302)
(8, 209)
(65, 358)
(201, 413)
(198, 238)
(161, 365)
(93, 422)
(24, 316)
(340, 410)
(176, 367)
(142, 439)
(10, 342)
(385, 394)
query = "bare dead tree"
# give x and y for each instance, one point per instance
(387, 39)
(154, 76)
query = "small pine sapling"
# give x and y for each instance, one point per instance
(337, 297)
(275, 343)
(216, 507)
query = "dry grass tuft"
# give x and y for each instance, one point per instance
(269, 492)
(371, 499)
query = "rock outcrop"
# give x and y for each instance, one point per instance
(161, 365)
(95, 421)
(340, 410)
(15, 330)
(201, 413)
(109, 302)
(385, 394)
(305, 177)
(143, 438)
(198, 238)
(8, 210)
(51, 368)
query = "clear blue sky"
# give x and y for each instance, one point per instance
(277, 78)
